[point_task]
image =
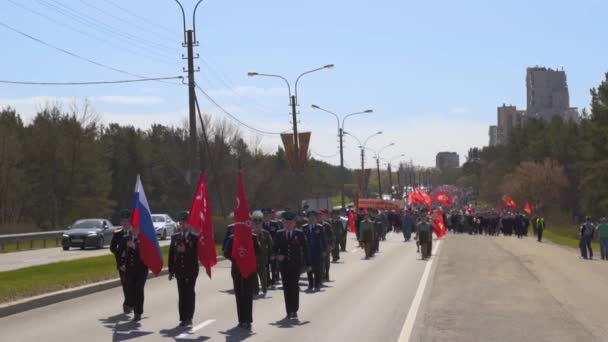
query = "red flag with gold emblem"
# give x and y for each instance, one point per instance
(427, 199)
(443, 199)
(510, 202)
(243, 253)
(438, 224)
(200, 219)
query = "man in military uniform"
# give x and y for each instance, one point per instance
(136, 272)
(367, 235)
(343, 237)
(291, 251)
(408, 224)
(243, 287)
(379, 229)
(425, 236)
(183, 265)
(272, 227)
(117, 237)
(337, 229)
(330, 240)
(264, 254)
(540, 227)
(317, 246)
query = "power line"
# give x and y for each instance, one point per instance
(89, 35)
(141, 18)
(75, 55)
(91, 82)
(232, 115)
(324, 156)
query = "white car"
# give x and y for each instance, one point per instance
(164, 225)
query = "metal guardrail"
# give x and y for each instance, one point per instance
(27, 240)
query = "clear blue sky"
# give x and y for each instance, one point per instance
(434, 71)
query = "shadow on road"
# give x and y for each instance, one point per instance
(237, 334)
(122, 328)
(182, 334)
(286, 323)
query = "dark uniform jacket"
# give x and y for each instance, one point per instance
(294, 249)
(115, 243)
(317, 244)
(129, 257)
(272, 227)
(183, 255)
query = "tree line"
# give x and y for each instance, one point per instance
(65, 165)
(560, 167)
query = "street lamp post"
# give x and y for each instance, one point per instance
(341, 137)
(377, 157)
(390, 172)
(293, 102)
(362, 147)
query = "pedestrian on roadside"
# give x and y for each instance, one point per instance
(585, 237)
(540, 227)
(184, 267)
(117, 237)
(603, 236)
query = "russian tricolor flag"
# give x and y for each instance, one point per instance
(141, 219)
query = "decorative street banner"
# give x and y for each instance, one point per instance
(288, 144)
(289, 148)
(363, 183)
(380, 204)
(304, 140)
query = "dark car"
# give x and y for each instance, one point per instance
(88, 233)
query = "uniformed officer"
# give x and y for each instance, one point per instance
(117, 237)
(540, 227)
(379, 229)
(136, 272)
(183, 265)
(343, 237)
(330, 240)
(425, 236)
(272, 226)
(243, 287)
(338, 229)
(317, 247)
(265, 252)
(291, 250)
(366, 235)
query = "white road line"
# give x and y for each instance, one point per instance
(354, 250)
(196, 328)
(408, 326)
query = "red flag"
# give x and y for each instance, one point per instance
(438, 224)
(510, 202)
(528, 209)
(351, 222)
(242, 244)
(200, 219)
(426, 198)
(443, 199)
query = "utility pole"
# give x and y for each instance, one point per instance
(390, 180)
(361, 188)
(342, 171)
(296, 140)
(192, 106)
(379, 183)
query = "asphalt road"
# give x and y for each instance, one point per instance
(12, 261)
(508, 289)
(367, 300)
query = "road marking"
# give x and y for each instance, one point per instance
(196, 328)
(355, 250)
(408, 326)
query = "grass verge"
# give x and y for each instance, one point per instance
(36, 280)
(566, 236)
(29, 245)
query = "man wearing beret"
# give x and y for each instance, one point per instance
(317, 248)
(183, 265)
(117, 237)
(136, 272)
(291, 250)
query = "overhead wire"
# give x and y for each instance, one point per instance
(85, 33)
(141, 18)
(223, 110)
(91, 82)
(89, 21)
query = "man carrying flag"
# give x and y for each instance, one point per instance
(141, 251)
(183, 265)
(241, 249)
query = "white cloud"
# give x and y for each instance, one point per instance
(248, 91)
(129, 100)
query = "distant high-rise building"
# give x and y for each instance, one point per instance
(446, 160)
(508, 117)
(493, 135)
(547, 94)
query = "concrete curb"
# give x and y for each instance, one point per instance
(27, 304)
